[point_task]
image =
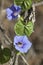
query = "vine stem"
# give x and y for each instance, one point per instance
(8, 39)
(34, 5)
(33, 17)
(24, 59)
(38, 4)
(16, 62)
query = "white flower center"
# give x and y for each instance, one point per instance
(19, 44)
(16, 13)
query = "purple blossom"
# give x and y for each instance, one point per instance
(13, 12)
(22, 43)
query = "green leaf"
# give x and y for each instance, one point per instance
(29, 28)
(5, 55)
(19, 28)
(18, 2)
(25, 4)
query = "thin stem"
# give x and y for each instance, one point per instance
(11, 61)
(5, 36)
(33, 17)
(8, 38)
(2, 12)
(38, 4)
(16, 61)
(24, 59)
(34, 5)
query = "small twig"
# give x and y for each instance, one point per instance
(11, 61)
(8, 38)
(33, 18)
(5, 35)
(34, 5)
(16, 61)
(24, 59)
(38, 4)
(1, 28)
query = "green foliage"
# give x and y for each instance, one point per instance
(25, 4)
(29, 28)
(21, 29)
(18, 2)
(5, 55)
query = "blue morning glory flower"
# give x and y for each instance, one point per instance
(13, 12)
(22, 44)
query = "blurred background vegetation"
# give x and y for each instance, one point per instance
(35, 55)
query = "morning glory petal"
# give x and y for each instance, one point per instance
(18, 39)
(25, 46)
(18, 48)
(17, 8)
(9, 17)
(13, 16)
(13, 12)
(9, 11)
(25, 39)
